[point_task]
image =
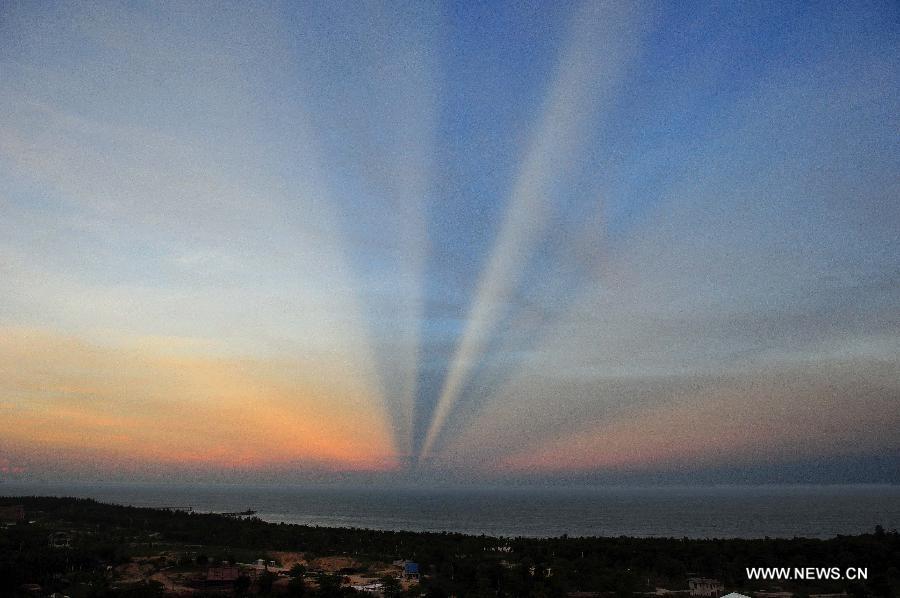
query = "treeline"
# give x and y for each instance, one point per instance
(452, 564)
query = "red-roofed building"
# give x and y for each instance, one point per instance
(12, 514)
(215, 575)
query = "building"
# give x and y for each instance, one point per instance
(12, 514)
(705, 587)
(371, 588)
(411, 570)
(222, 575)
(59, 540)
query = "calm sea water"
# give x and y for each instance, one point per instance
(722, 511)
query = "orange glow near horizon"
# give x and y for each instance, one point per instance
(725, 424)
(70, 400)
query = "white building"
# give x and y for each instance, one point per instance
(705, 587)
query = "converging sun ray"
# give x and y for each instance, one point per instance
(429, 242)
(682, 326)
(601, 44)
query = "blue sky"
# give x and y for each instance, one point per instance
(459, 240)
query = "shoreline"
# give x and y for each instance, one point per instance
(129, 546)
(697, 512)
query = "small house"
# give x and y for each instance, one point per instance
(12, 514)
(704, 587)
(59, 540)
(411, 570)
(222, 575)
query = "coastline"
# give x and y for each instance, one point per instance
(130, 546)
(720, 511)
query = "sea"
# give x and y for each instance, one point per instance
(665, 511)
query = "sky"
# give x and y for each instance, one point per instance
(450, 242)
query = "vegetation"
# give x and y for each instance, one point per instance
(103, 538)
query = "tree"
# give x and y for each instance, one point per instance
(392, 587)
(241, 585)
(149, 589)
(264, 582)
(329, 585)
(296, 587)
